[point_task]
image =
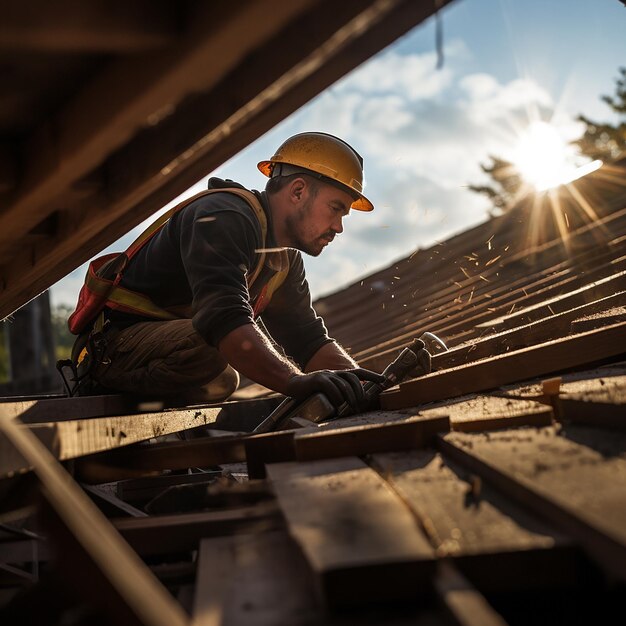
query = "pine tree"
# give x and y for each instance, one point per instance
(507, 183)
(606, 141)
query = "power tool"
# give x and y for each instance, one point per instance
(415, 359)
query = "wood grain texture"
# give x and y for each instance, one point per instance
(134, 595)
(76, 438)
(500, 545)
(516, 366)
(253, 580)
(485, 412)
(358, 537)
(163, 534)
(600, 403)
(575, 477)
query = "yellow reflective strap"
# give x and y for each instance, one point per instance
(141, 304)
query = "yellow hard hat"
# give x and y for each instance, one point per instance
(324, 155)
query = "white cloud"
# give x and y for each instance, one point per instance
(411, 75)
(423, 133)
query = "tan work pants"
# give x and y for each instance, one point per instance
(165, 358)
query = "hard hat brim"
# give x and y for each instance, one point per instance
(360, 204)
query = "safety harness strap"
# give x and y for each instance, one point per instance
(102, 287)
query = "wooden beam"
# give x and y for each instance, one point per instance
(601, 288)
(253, 580)
(242, 415)
(358, 440)
(249, 102)
(163, 534)
(491, 538)
(484, 412)
(75, 438)
(134, 595)
(257, 450)
(465, 605)
(135, 92)
(597, 319)
(32, 410)
(359, 539)
(110, 504)
(523, 336)
(74, 26)
(517, 366)
(134, 462)
(578, 483)
(601, 404)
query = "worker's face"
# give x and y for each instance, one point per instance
(318, 218)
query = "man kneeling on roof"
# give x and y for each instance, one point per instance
(179, 311)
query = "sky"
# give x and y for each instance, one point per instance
(423, 132)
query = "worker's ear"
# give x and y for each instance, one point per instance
(296, 189)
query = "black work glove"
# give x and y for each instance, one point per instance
(338, 386)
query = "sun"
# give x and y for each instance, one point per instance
(545, 160)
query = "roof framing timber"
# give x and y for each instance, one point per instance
(150, 125)
(72, 25)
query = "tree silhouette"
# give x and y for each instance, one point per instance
(603, 141)
(606, 141)
(507, 182)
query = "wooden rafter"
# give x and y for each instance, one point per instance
(153, 126)
(72, 25)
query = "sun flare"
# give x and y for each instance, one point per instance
(545, 160)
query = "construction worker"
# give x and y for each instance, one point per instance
(222, 265)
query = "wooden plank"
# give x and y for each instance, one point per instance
(111, 505)
(546, 329)
(72, 439)
(36, 410)
(600, 403)
(593, 291)
(164, 534)
(252, 98)
(575, 479)
(360, 540)
(92, 126)
(253, 579)
(127, 589)
(485, 412)
(238, 416)
(593, 319)
(274, 447)
(488, 536)
(265, 448)
(465, 605)
(358, 440)
(135, 462)
(72, 26)
(553, 356)
(139, 491)
(542, 330)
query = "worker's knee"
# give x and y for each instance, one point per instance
(222, 386)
